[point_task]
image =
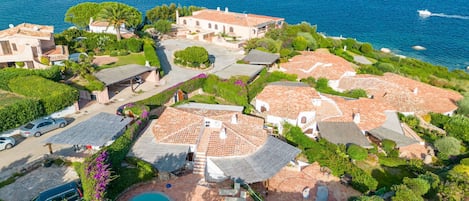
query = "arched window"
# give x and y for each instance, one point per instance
(209, 25)
(216, 26)
(263, 109)
(184, 22)
(303, 120)
(197, 23)
(231, 29)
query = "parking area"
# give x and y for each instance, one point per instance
(30, 185)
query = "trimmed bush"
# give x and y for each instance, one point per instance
(133, 45)
(357, 153)
(194, 56)
(366, 48)
(19, 112)
(53, 96)
(150, 54)
(388, 145)
(448, 146)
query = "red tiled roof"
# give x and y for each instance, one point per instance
(232, 18)
(288, 99)
(27, 29)
(371, 111)
(186, 126)
(319, 63)
(405, 94)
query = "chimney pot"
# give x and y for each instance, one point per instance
(226, 9)
(223, 133)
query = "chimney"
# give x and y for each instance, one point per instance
(223, 133)
(356, 117)
(177, 16)
(218, 8)
(234, 119)
(91, 20)
(416, 91)
(226, 9)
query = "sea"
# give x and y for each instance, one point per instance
(393, 24)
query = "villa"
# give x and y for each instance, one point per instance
(242, 26)
(404, 94)
(215, 141)
(29, 44)
(317, 64)
(295, 103)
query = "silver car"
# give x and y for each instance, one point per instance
(6, 142)
(38, 127)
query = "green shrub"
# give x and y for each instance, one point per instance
(7, 74)
(45, 60)
(366, 48)
(356, 152)
(134, 45)
(388, 145)
(20, 64)
(369, 69)
(385, 67)
(233, 90)
(417, 185)
(150, 54)
(53, 96)
(296, 137)
(93, 84)
(392, 161)
(300, 43)
(448, 146)
(193, 56)
(19, 112)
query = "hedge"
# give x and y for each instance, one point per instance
(193, 56)
(150, 54)
(53, 96)
(20, 112)
(7, 74)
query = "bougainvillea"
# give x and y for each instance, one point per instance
(99, 172)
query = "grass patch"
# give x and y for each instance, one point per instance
(133, 58)
(386, 176)
(208, 99)
(10, 180)
(7, 98)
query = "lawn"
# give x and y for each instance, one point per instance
(7, 98)
(386, 176)
(134, 58)
(208, 99)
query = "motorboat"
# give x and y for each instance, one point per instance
(424, 13)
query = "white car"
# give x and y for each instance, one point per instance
(6, 142)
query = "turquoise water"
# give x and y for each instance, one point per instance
(151, 196)
(394, 24)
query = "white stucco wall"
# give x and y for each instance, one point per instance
(258, 104)
(310, 116)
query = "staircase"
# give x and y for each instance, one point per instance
(200, 163)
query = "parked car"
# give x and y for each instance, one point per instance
(38, 127)
(6, 142)
(70, 191)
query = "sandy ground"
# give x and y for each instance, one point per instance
(30, 185)
(103, 60)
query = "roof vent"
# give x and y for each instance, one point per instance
(226, 9)
(356, 117)
(234, 119)
(416, 91)
(223, 133)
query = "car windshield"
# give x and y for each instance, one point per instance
(29, 126)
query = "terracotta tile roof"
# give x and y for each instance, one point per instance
(288, 99)
(233, 18)
(187, 126)
(405, 94)
(371, 111)
(319, 63)
(32, 30)
(100, 24)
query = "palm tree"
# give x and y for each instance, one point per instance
(117, 14)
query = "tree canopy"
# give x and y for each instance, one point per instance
(117, 14)
(165, 12)
(448, 146)
(80, 14)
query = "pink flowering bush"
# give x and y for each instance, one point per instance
(98, 173)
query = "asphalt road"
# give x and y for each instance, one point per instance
(33, 148)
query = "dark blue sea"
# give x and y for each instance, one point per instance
(394, 24)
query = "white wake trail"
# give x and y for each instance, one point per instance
(450, 16)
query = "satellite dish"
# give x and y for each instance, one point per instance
(11, 25)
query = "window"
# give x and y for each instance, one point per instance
(263, 109)
(216, 26)
(303, 120)
(184, 22)
(207, 123)
(6, 48)
(197, 23)
(13, 45)
(231, 29)
(209, 25)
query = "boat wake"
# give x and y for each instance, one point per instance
(450, 16)
(425, 13)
